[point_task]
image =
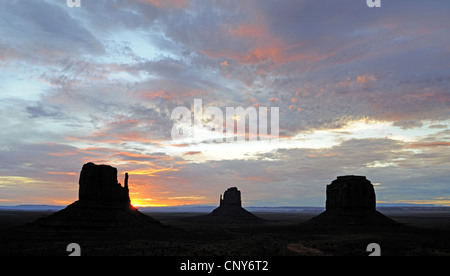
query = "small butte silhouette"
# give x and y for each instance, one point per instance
(229, 211)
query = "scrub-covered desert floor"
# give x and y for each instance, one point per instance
(424, 231)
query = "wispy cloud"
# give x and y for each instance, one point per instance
(360, 91)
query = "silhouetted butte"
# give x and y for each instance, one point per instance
(230, 210)
(351, 201)
(104, 204)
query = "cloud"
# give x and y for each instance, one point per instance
(45, 29)
(430, 145)
(40, 111)
(168, 3)
(192, 153)
(99, 84)
(293, 176)
(366, 78)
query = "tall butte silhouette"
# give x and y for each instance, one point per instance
(103, 204)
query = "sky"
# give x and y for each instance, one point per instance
(360, 91)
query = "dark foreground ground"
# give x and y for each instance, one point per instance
(425, 232)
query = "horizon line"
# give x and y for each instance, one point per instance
(381, 204)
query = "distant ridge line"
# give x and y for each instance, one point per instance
(208, 208)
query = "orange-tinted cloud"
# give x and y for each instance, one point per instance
(152, 171)
(159, 94)
(263, 53)
(365, 78)
(180, 145)
(273, 100)
(248, 30)
(125, 122)
(63, 173)
(193, 153)
(160, 188)
(429, 145)
(144, 156)
(258, 44)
